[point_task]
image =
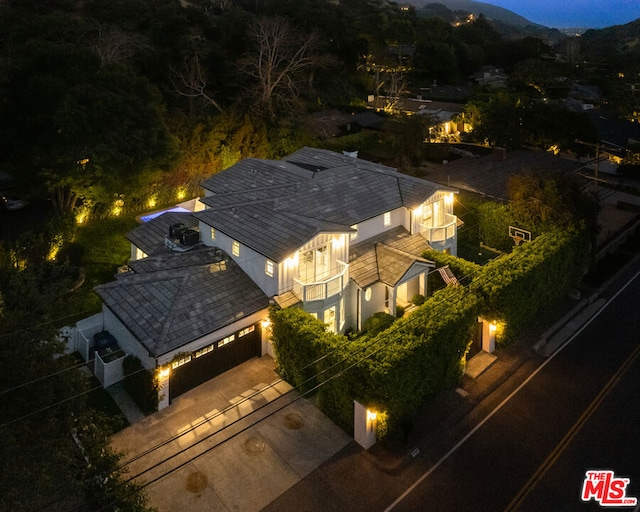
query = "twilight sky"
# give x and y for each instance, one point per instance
(574, 13)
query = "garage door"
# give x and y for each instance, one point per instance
(214, 359)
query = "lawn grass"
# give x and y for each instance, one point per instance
(100, 248)
(476, 253)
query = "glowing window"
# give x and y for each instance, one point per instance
(226, 340)
(213, 234)
(235, 248)
(268, 268)
(387, 218)
(246, 331)
(204, 350)
(180, 362)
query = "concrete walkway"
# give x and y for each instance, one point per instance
(234, 443)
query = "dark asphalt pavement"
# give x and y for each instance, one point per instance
(541, 431)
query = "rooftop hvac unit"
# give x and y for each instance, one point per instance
(175, 230)
(189, 237)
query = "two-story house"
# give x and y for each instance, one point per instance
(336, 235)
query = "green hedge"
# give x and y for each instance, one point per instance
(494, 220)
(396, 369)
(141, 384)
(393, 370)
(517, 286)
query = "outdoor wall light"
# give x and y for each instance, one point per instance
(164, 372)
(292, 261)
(448, 199)
(371, 419)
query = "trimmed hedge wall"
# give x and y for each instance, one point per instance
(517, 286)
(395, 370)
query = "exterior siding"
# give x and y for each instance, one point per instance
(126, 340)
(374, 226)
(250, 261)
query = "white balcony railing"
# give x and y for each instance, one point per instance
(320, 290)
(440, 234)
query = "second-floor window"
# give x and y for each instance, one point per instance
(235, 248)
(355, 234)
(268, 268)
(387, 219)
(213, 234)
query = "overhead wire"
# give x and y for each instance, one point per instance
(317, 386)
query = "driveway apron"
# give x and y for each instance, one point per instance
(234, 443)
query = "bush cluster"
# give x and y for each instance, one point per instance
(141, 384)
(394, 367)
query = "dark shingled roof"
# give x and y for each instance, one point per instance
(149, 237)
(274, 207)
(173, 299)
(386, 258)
(489, 175)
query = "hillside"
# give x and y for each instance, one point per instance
(490, 11)
(507, 23)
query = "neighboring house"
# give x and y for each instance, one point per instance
(618, 140)
(446, 116)
(491, 76)
(338, 236)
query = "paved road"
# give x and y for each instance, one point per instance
(493, 466)
(579, 412)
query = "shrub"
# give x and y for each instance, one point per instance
(377, 322)
(418, 300)
(141, 384)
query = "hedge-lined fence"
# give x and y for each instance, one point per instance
(396, 369)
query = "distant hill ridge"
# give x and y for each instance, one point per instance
(490, 11)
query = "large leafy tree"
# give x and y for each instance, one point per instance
(55, 448)
(71, 119)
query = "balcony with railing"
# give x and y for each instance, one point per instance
(321, 290)
(440, 234)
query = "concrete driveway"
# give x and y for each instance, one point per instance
(234, 443)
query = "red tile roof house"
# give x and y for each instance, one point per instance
(336, 235)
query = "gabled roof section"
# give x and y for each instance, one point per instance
(393, 264)
(149, 237)
(386, 258)
(275, 207)
(171, 301)
(267, 230)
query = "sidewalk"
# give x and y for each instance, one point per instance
(450, 408)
